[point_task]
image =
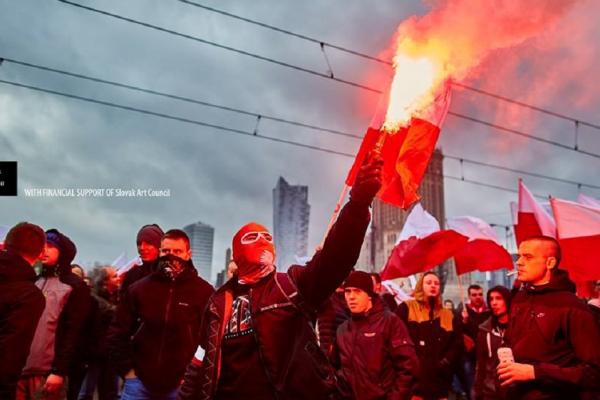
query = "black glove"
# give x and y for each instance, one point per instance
(368, 181)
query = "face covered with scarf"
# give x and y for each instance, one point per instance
(253, 253)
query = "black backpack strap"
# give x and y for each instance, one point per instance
(290, 291)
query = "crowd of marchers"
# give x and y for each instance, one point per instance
(318, 331)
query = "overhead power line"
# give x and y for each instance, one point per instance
(287, 32)
(221, 46)
(387, 62)
(218, 127)
(273, 118)
(177, 97)
(323, 75)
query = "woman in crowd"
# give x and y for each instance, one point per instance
(437, 338)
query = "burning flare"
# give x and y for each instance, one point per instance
(413, 90)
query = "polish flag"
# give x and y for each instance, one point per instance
(579, 238)
(421, 246)
(483, 251)
(588, 201)
(532, 219)
(406, 153)
(126, 266)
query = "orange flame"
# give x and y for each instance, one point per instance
(452, 41)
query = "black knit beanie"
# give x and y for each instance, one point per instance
(151, 234)
(360, 280)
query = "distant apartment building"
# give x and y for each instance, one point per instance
(201, 242)
(291, 213)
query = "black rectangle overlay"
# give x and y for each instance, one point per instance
(8, 178)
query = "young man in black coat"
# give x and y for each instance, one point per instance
(148, 245)
(489, 338)
(376, 356)
(58, 336)
(258, 328)
(156, 328)
(21, 302)
(553, 335)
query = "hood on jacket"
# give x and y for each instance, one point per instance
(67, 250)
(559, 282)
(14, 268)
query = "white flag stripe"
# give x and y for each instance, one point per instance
(528, 204)
(419, 223)
(120, 261)
(473, 228)
(588, 200)
(575, 220)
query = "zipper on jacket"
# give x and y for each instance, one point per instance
(166, 320)
(260, 355)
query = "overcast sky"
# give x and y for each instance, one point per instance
(224, 179)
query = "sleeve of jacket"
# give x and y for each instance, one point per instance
(121, 329)
(584, 334)
(332, 264)
(480, 367)
(73, 319)
(404, 359)
(16, 334)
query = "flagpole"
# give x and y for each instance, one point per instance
(460, 288)
(336, 212)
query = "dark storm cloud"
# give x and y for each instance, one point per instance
(217, 177)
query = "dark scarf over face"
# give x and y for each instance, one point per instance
(171, 266)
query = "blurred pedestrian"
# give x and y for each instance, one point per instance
(101, 375)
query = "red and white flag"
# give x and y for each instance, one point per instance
(406, 153)
(483, 251)
(588, 200)
(579, 237)
(532, 219)
(421, 246)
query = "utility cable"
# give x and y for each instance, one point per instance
(260, 116)
(320, 74)
(387, 62)
(217, 127)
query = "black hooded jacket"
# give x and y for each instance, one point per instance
(68, 299)
(554, 331)
(156, 327)
(376, 355)
(21, 304)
